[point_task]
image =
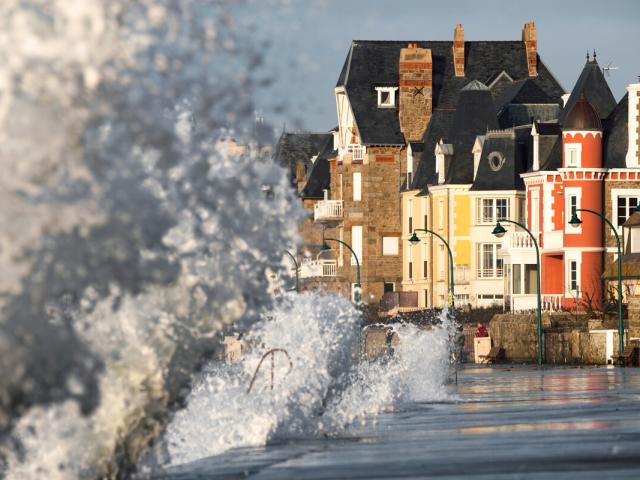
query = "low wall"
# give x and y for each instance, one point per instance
(566, 340)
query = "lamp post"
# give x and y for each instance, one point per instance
(499, 232)
(576, 222)
(295, 262)
(414, 239)
(356, 296)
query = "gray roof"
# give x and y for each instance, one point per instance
(616, 137)
(594, 88)
(438, 128)
(293, 148)
(375, 63)
(505, 155)
(320, 175)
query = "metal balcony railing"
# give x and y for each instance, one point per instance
(318, 268)
(490, 272)
(327, 210)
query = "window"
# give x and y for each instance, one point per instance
(357, 186)
(425, 265)
(410, 270)
(389, 287)
(356, 243)
(409, 169)
(386, 97)
(389, 245)
(572, 203)
(573, 276)
(441, 263)
(490, 210)
(572, 153)
(410, 210)
(625, 209)
(426, 298)
(487, 261)
(425, 221)
(522, 210)
(441, 214)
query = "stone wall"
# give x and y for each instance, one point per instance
(566, 340)
(378, 212)
(415, 92)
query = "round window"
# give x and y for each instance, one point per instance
(496, 161)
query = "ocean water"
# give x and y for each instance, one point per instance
(511, 422)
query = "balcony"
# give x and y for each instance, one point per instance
(357, 152)
(318, 268)
(490, 272)
(327, 210)
(553, 240)
(552, 303)
(517, 247)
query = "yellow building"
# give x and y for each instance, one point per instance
(459, 192)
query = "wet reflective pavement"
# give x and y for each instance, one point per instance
(504, 422)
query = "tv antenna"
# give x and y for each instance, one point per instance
(607, 70)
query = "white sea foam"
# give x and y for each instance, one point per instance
(327, 390)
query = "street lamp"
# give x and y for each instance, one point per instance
(576, 222)
(413, 239)
(356, 296)
(295, 262)
(499, 232)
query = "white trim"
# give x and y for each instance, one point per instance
(631, 159)
(392, 96)
(570, 148)
(390, 246)
(583, 133)
(620, 192)
(356, 243)
(572, 256)
(357, 186)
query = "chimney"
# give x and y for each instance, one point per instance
(529, 37)
(633, 152)
(415, 85)
(458, 50)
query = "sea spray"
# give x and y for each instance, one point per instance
(328, 389)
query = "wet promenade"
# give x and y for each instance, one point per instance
(504, 422)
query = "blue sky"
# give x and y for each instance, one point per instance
(310, 39)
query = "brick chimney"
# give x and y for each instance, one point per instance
(458, 50)
(415, 85)
(529, 37)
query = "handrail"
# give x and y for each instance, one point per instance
(272, 353)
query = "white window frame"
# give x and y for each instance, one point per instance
(390, 246)
(392, 96)
(570, 161)
(357, 186)
(356, 243)
(495, 271)
(570, 192)
(492, 205)
(574, 256)
(621, 193)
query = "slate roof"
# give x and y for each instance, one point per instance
(320, 175)
(475, 113)
(514, 147)
(299, 147)
(438, 128)
(616, 137)
(593, 86)
(375, 63)
(549, 147)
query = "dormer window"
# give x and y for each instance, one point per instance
(386, 97)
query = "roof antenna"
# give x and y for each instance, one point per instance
(594, 54)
